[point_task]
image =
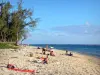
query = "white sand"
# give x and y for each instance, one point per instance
(59, 65)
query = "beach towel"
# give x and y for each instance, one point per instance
(20, 70)
(12, 67)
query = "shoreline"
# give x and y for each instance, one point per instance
(90, 55)
(87, 55)
(93, 55)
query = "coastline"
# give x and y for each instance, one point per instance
(78, 64)
(94, 56)
(91, 50)
(86, 55)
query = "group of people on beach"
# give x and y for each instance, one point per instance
(51, 53)
(70, 54)
(45, 60)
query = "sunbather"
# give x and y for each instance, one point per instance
(45, 60)
(52, 53)
(12, 67)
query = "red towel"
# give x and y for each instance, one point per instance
(16, 69)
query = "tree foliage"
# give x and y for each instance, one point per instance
(13, 23)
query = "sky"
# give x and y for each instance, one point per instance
(64, 21)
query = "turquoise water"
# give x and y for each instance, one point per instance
(93, 50)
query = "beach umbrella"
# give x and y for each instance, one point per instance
(51, 47)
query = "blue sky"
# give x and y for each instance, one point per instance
(64, 21)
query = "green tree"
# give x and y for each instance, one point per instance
(13, 24)
(22, 18)
(4, 18)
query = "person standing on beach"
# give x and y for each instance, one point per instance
(46, 47)
(43, 51)
(66, 52)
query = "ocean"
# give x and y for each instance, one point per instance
(93, 50)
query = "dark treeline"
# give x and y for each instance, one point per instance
(14, 21)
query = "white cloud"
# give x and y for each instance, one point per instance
(79, 29)
(88, 24)
(86, 31)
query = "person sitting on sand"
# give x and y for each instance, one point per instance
(38, 47)
(70, 54)
(43, 51)
(66, 52)
(45, 60)
(52, 53)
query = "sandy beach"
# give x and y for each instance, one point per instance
(78, 64)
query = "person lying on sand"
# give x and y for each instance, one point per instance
(12, 67)
(52, 53)
(43, 60)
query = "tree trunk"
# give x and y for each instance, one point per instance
(4, 37)
(21, 42)
(1, 36)
(17, 39)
